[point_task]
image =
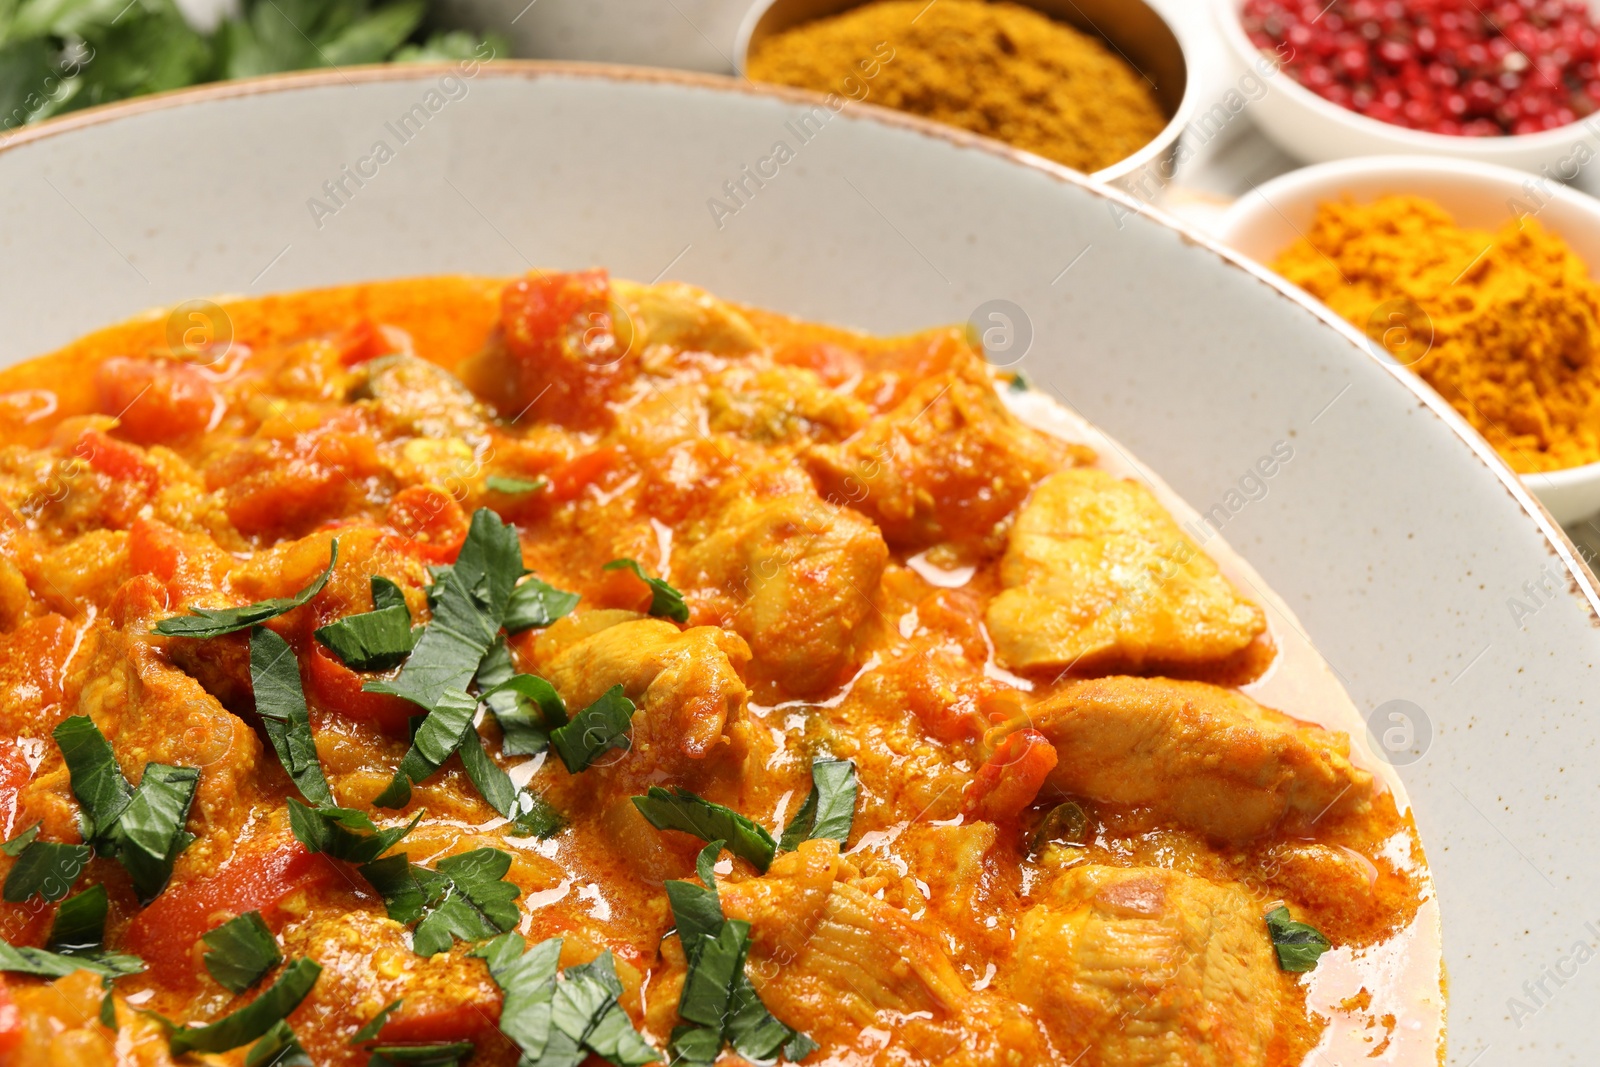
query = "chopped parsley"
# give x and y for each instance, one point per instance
(526, 706)
(442, 732)
(373, 640)
(682, 810)
(45, 869)
(829, 809)
(76, 944)
(256, 1019)
(1299, 946)
(664, 599)
(281, 703)
(718, 1003)
(594, 731)
(241, 951)
(141, 828)
(80, 922)
(214, 622)
(278, 1047)
(537, 603)
(500, 483)
(344, 833)
(442, 1055)
(14, 847)
(465, 898)
(374, 1025)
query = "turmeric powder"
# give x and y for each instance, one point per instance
(1504, 326)
(998, 69)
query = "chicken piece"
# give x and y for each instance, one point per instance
(797, 573)
(947, 464)
(1206, 758)
(61, 1027)
(1146, 967)
(413, 397)
(781, 405)
(683, 318)
(1098, 577)
(827, 956)
(685, 683)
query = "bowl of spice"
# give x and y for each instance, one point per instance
(1100, 86)
(1514, 82)
(1471, 276)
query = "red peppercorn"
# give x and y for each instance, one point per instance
(1470, 68)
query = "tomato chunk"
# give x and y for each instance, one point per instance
(255, 879)
(570, 479)
(1010, 779)
(561, 335)
(361, 342)
(432, 519)
(336, 688)
(118, 461)
(156, 400)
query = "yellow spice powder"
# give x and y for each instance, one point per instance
(1504, 326)
(997, 69)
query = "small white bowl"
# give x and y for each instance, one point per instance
(1316, 130)
(1262, 223)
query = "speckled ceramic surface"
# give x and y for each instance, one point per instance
(1414, 560)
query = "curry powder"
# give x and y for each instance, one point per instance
(997, 69)
(1504, 326)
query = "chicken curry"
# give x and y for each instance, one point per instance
(566, 670)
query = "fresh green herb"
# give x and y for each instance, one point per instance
(80, 923)
(1019, 383)
(469, 603)
(526, 706)
(15, 846)
(585, 1009)
(45, 869)
(278, 1047)
(465, 898)
(537, 603)
(528, 982)
(717, 998)
(46, 964)
(440, 735)
(344, 833)
(829, 809)
(1298, 945)
(446, 1055)
(148, 837)
(534, 816)
(664, 600)
(256, 1018)
(693, 814)
(108, 1006)
(281, 703)
(140, 828)
(241, 951)
(373, 640)
(374, 1025)
(500, 483)
(595, 730)
(214, 622)
(103, 793)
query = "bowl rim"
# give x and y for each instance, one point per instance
(1581, 584)
(1162, 143)
(1507, 146)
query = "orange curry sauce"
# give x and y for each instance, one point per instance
(880, 563)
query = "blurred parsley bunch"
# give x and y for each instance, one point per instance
(61, 55)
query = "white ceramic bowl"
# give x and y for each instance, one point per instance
(1264, 222)
(1315, 130)
(1198, 361)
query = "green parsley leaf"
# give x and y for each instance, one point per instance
(1299, 946)
(537, 603)
(241, 951)
(448, 1055)
(693, 814)
(526, 706)
(829, 809)
(442, 732)
(281, 703)
(708, 987)
(97, 781)
(278, 1047)
(664, 600)
(469, 603)
(373, 640)
(500, 483)
(214, 622)
(374, 1025)
(465, 898)
(535, 817)
(45, 869)
(595, 730)
(80, 922)
(15, 846)
(256, 1018)
(528, 982)
(698, 1045)
(149, 836)
(344, 833)
(46, 964)
(1019, 383)
(585, 1008)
